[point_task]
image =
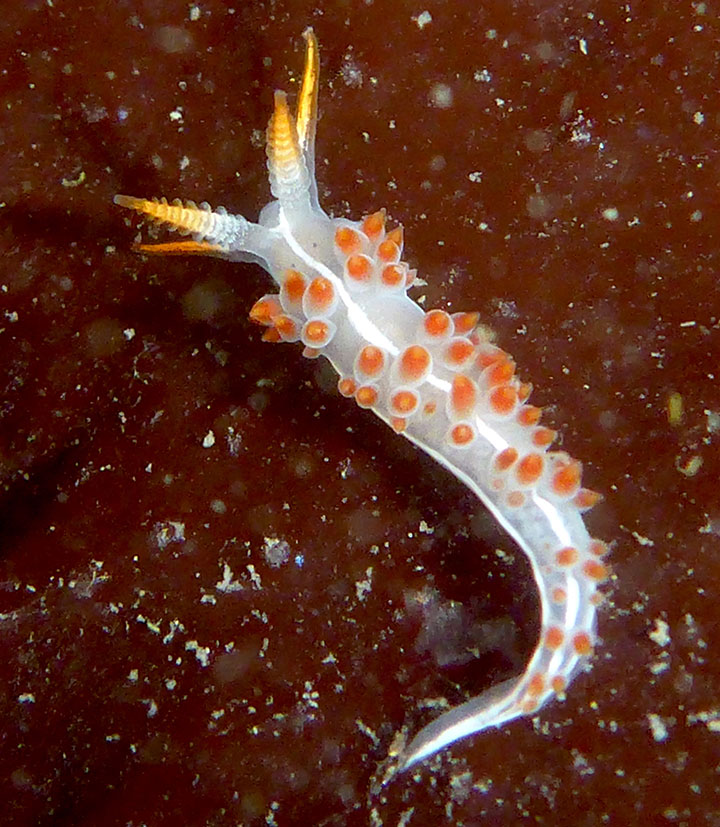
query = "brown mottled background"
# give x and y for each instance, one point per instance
(225, 590)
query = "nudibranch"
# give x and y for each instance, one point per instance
(432, 376)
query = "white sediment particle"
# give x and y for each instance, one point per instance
(202, 653)
(363, 587)
(657, 727)
(227, 584)
(660, 634)
(254, 576)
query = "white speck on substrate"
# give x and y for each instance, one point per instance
(657, 727)
(660, 634)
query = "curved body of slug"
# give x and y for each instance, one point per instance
(342, 293)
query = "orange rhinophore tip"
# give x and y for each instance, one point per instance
(306, 120)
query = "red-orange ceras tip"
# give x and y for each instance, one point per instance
(598, 548)
(503, 400)
(359, 267)
(595, 570)
(347, 240)
(404, 402)
(388, 251)
(500, 373)
(414, 363)
(437, 323)
(524, 391)
(542, 437)
(366, 396)
(462, 434)
(321, 293)
(459, 351)
(558, 684)
(265, 309)
(516, 499)
(465, 322)
(374, 224)
(271, 335)
(529, 469)
(490, 355)
(536, 684)
(294, 284)
(554, 638)
(393, 275)
(371, 361)
(285, 326)
(463, 395)
(505, 459)
(346, 386)
(566, 478)
(316, 332)
(529, 415)
(586, 498)
(558, 595)
(582, 644)
(567, 556)
(396, 236)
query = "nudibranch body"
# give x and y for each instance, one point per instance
(430, 375)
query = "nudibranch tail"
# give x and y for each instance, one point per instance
(430, 375)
